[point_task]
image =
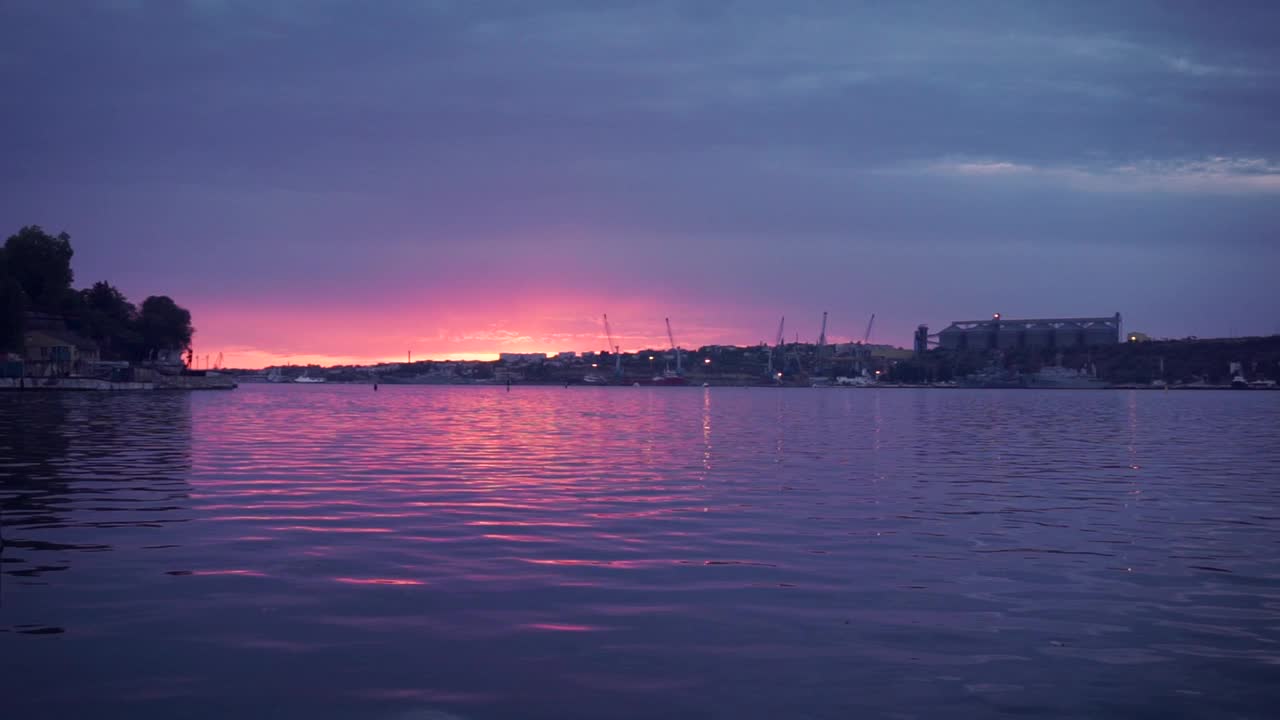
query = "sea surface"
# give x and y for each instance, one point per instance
(430, 553)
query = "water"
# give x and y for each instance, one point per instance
(438, 552)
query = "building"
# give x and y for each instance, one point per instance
(57, 353)
(1137, 337)
(1000, 333)
(522, 357)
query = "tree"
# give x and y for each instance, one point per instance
(12, 306)
(111, 320)
(163, 325)
(41, 265)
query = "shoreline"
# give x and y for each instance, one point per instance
(80, 384)
(698, 385)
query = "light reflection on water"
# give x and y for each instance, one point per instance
(616, 552)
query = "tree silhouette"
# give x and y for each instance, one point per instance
(41, 265)
(110, 320)
(164, 325)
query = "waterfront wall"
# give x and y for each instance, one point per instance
(162, 382)
(195, 382)
(66, 383)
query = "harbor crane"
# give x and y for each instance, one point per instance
(676, 350)
(777, 346)
(617, 352)
(820, 351)
(864, 350)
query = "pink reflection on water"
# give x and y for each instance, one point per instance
(424, 694)
(247, 573)
(522, 523)
(563, 627)
(377, 581)
(624, 564)
(518, 538)
(457, 503)
(310, 528)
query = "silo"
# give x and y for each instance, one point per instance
(1099, 334)
(952, 338)
(1009, 337)
(1068, 335)
(1040, 335)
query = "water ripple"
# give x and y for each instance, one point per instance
(718, 552)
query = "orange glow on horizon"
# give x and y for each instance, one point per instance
(260, 334)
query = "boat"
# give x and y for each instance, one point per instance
(306, 379)
(1058, 377)
(595, 380)
(992, 377)
(670, 377)
(275, 376)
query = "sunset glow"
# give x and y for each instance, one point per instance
(261, 337)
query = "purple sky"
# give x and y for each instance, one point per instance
(319, 179)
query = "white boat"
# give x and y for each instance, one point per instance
(275, 376)
(862, 380)
(306, 378)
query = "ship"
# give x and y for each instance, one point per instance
(670, 377)
(306, 379)
(993, 377)
(1058, 377)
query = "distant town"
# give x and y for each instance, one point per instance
(1057, 353)
(56, 337)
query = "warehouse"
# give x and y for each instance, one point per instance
(1000, 333)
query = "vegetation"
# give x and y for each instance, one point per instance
(36, 277)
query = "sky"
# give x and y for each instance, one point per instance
(323, 181)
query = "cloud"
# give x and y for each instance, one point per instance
(541, 159)
(1212, 175)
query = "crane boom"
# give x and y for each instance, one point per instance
(674, 349)
(822, 346)
(615, 349)
(777, 345)
(866, 337)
